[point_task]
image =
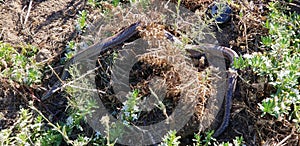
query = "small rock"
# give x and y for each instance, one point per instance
(43, 54)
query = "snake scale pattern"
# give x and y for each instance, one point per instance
(124, 35)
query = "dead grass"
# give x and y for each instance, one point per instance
(51, 24)
(179, 76)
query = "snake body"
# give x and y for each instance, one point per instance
(102, 46)
(232, 79)
(232, 74)
(130, 31)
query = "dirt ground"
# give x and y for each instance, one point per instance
(50, 25)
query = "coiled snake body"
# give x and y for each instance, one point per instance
(130, 31)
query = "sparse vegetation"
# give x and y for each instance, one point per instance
(278, 65)
(19, 64)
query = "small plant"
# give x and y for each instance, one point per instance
(171, 139)
(115, 2)
(30, 129)
(113, 130)
(197, 140)
(209, 140)
(62, 131)
(70, 51)
(280, 64)
(27, 130)
(94, 3)
(130, 109)
(81, 21)
(20, 65)
(238, 141)
(79, 107)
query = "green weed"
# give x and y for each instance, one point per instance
(209, 140)
(70, 52)
(170, 139)
(27, 130)
(280, 63)
(130, 109)
(19, 64)
(81, 21)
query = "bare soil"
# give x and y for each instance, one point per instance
(50, 25)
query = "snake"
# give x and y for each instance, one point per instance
(127, 33)
(101, 46)
(231, 55)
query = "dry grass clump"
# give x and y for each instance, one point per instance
(195, 89)
(179, 76)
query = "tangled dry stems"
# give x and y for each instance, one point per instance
(193, 86)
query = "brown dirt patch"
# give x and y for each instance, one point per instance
(49, 25)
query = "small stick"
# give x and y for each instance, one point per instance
(284, 140)
(28, 12)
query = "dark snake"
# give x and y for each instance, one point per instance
(127, 33)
